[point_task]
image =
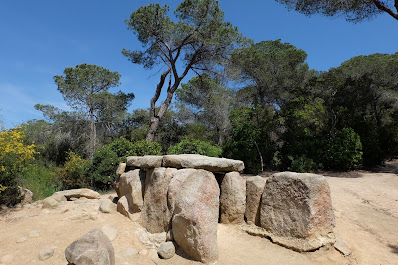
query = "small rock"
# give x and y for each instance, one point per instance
(46, 211)
(18, 206)
(143, 252)
(107, 206)
(59, 197)
(21, 239)
(341, 246)
(166, 250)
(49, 203)
(129, 252)
(7, 259)
(26, 194)
(120, 169)
(34, 233)
(46, 253)
(169, 235)
(110, 232)
(150, 240)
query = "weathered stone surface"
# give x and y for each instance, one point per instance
(233, 199)
(166, 250)
(46, 253)
(78, 193)
(150, 240)
(110, 232)
(123, 207)
(341, 246)
(58, 197)
(27, 195)
(195, 217)
(155, 215)
(144, 161)
(7, 259)
(49, 203)
(175, 186)
(116, 187)
(132, 185)
(21, 239)
(213, 164)
(298, 206)
(120, 169)
(92, 248)
(34, 233)
(254, 191)
(107, 206)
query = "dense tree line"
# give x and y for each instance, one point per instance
(257, 102)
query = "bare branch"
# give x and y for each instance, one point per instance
(384, 8)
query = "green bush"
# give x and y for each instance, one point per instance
(41, 180)
(122, 147)
(187, 146)
(141, 148)
(73, 174)
(303, 164)
(344, 150)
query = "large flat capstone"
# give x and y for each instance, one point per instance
(144, 161)
(212, 164)
(78, 193)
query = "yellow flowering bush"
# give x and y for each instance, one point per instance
(15, 154)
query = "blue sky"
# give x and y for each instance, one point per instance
(38, 39)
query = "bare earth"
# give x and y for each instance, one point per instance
(365, 204)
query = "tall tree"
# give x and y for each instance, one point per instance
(210, 102)
(269, 70)
(199, 40)
(352, 10)
(82, 87)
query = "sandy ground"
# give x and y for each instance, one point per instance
(365, 205)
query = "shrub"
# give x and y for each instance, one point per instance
(187, 146)
(303, 164)
(41, 179)
(344, 150)
(122, 147)
(73, 174)
(141, 148)
(15, 155)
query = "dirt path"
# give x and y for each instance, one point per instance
(365, 204)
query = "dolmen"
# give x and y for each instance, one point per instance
(187, 195)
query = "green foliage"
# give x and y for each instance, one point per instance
(191, 146)
(352, 10)
(41, 179)
(344, 150)
(73, 174)
(303, 164)
(143, 147)
(102, 168)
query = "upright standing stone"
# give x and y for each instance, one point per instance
(254, 190)
(175, 186)
(195, 217)
(132, 185)
(155, 213)
(296, 209)
(233, 199)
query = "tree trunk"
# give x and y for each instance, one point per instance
(92, 135)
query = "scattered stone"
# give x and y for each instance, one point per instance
(92, 248)
(144, 161)
(120, 169)
(26, 194)
(132, 185)
(150, 240)
(46, 253)
(298, 206)
(143, 252)
(195, 217)
(34, 233)
(153, 254)
(129, 252)
(49, 203)
(155, 214)
(21, 239)
(233, 199)
(82, 217)
(46, 211)
(123, 207)
(7, 259)
(78, 193)
(341, 246)
(254, 191)
(18, 206)
(169, 235)
(107, 206)
(81, 200)
(212, 164)
(59, 197)
(110, 232)
(166, 250)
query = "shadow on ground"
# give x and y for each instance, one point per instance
(394, 249)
